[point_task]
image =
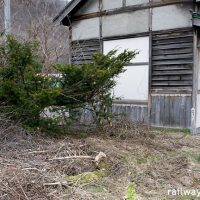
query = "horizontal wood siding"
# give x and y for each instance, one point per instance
(172, 60)
(171, 111)
(82, 51)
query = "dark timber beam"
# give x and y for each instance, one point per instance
(129, 9)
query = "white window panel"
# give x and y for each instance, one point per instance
(133, 84)
(141, 44)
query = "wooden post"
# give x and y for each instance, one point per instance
(100, 25)
(195, 84)
(150, 62)
(195, 79)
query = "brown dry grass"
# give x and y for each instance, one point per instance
(158, 161)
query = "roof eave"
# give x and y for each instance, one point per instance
(64, 17)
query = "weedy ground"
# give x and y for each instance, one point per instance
(35, 167)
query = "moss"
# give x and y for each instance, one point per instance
(197, 157)
(163, 130)
(98, 189)
(130, 192)
(87, 177)
(164, 198)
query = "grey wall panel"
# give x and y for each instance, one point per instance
(171, 111)
(135, 113)
(172, 60)
(171, 17)
(82, 51)
(135, 2)
(108, 4)
(90, 6)
(126, 23)
(85, 29)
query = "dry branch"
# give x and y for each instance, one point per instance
(72, 157)
(56, 184)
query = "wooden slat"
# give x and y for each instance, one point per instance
(186, 77)
(172, 36)
(173, 41)
(172, 67)
(172, 57)
(172, 51)
(172, 90)
(82, 51)
(173, 32)
(86, 57)
(174, 72)
(172, 83)
(172, 46)
(172, 60)
(166, 78)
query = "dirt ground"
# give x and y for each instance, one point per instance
(34, 167)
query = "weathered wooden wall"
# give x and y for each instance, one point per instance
(82, 51)
(196, 82)
(198, 113)
(171, 110)
(168, 26)
(134, 112)
(172, 61)
(115, 18)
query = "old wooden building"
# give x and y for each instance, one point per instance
(162, 84)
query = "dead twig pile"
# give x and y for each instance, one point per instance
(35, 167)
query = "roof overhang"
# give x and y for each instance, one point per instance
(65, 16)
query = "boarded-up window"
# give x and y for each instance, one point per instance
(133, 84)
(172, 60)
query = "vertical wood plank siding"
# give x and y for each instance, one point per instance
(171, 111)
(82, 51)
(135, 113)
(172, 60)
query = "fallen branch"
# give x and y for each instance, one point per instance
(72, 157)
(3, 196)
(36, 152)
(56, 184)
(31, 169)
